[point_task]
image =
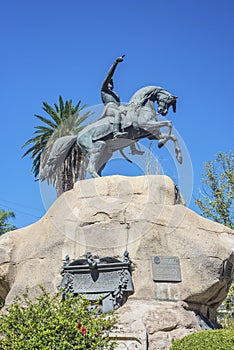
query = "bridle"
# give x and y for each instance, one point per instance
(166, 102)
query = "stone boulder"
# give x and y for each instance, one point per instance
(144, 216)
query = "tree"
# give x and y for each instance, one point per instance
(217, 203)
(5, 226)
(217, 198)
(64, 120)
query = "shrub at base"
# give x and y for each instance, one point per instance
(221, 339)
(50, 324)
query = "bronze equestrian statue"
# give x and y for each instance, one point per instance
(118, 127)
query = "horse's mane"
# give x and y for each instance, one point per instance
(143, 94)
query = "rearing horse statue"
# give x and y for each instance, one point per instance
(138, 120)
(118, 127)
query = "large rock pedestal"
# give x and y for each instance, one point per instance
(109, 215)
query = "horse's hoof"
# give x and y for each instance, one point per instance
(179, 158)
(93, 173)
(160, 144)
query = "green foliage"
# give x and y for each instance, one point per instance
(229, 301)
(47, 323)
(226, 310)
(228, 322)
(216, 201)
(63, 120)
(5, 226)
(221, 339)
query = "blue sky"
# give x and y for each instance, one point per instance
(51, 48)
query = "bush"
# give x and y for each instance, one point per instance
(51, 324)
(221, 339)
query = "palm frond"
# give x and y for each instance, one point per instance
(65, 120)
(38, 140)
(67, 111)
(52, 113)
(43, 128)
(56, 107)
(61, 106)
(46, 121)
(82, 107)
(83, 118)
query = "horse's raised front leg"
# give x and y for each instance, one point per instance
(154, 127)
(166, 123)
(164, 138)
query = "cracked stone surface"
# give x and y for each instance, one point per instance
(162, 321)
(109, 215)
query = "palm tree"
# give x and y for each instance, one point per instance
(64, 120)
(4, 225)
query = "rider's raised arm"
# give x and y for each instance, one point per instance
(111, 72)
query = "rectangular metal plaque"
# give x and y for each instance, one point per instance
(106, 282)
(108, 277)
(166, 269)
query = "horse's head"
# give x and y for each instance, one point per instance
(165, 101)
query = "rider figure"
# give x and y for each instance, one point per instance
(110, 96)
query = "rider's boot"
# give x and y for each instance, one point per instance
(116, 131)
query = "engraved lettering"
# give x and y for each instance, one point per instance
(166, 269)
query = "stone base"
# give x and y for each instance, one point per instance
(159, 322)
(109, 215)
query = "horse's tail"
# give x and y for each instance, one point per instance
(63, 154)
